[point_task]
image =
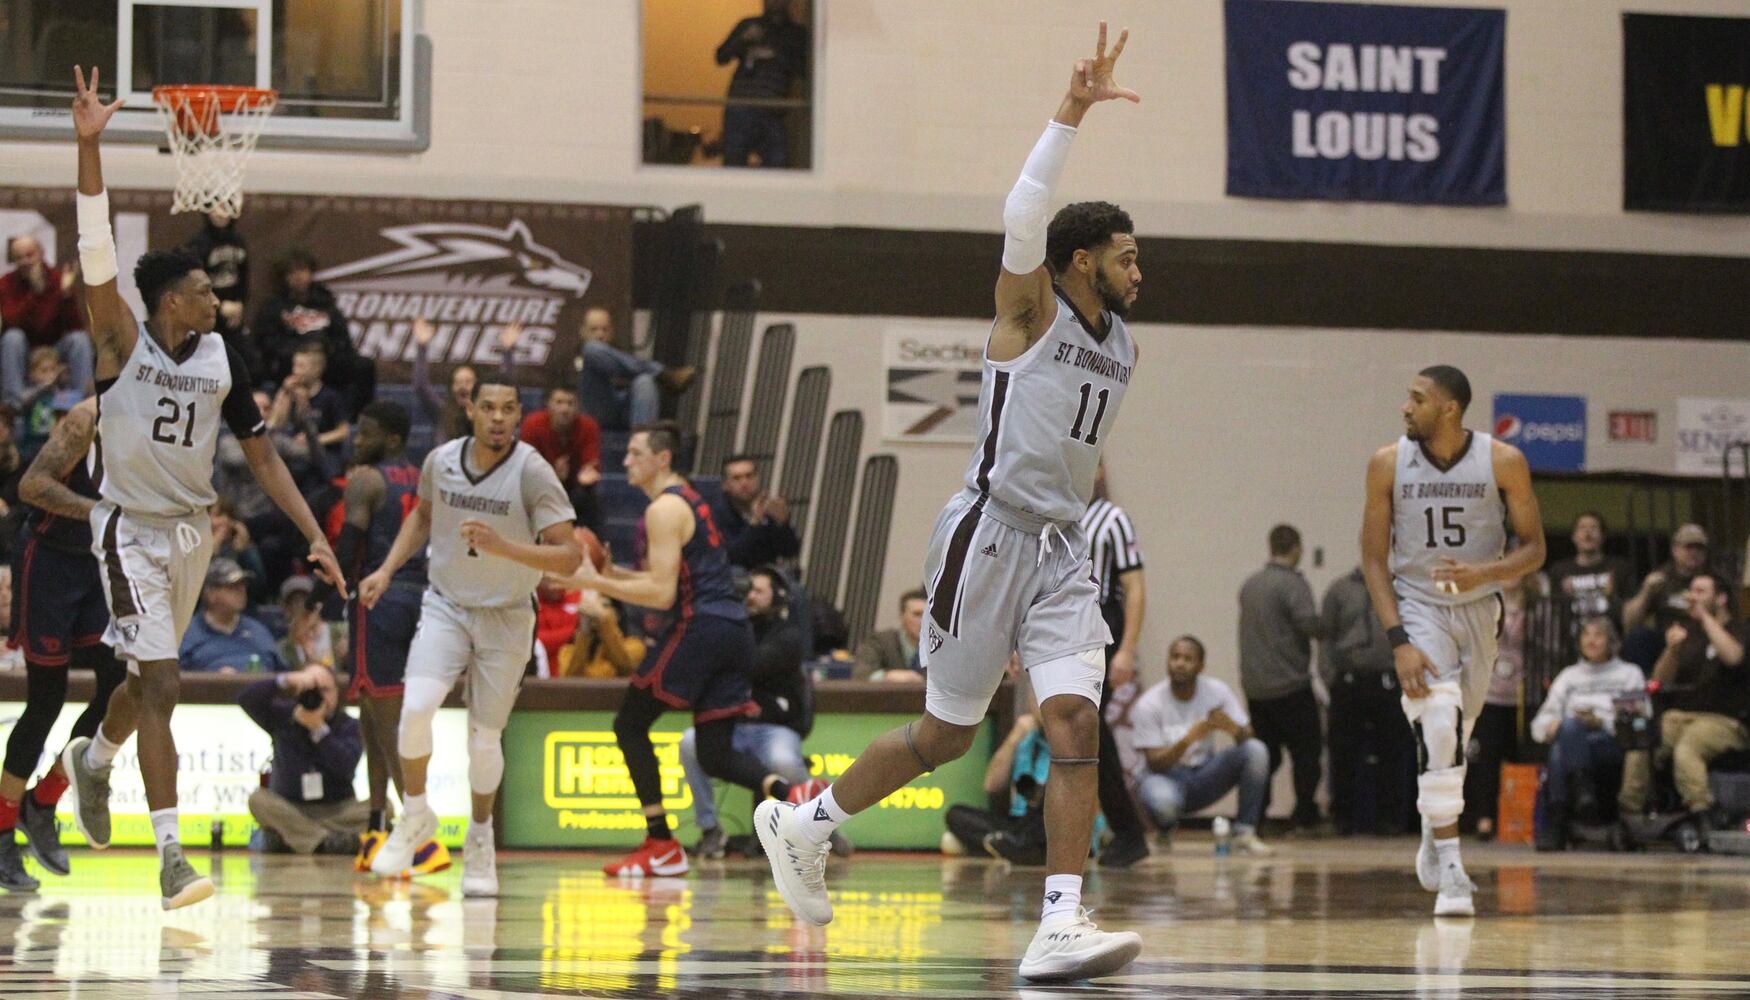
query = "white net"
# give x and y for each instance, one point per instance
(212, 132)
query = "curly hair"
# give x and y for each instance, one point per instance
(1084, 225)
(159, 270)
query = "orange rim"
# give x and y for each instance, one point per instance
(195, 103)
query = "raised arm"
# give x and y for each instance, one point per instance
(1024, 305)
(113, 326)
(43, 484)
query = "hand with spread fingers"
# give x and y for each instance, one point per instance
(90, 114)
(1092, 82)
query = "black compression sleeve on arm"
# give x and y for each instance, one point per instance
(241, 413)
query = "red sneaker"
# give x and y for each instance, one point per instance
(652, 858)
(803, 791)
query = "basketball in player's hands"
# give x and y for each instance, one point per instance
(593, 548)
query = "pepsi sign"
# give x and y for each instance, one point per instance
(1550, 430)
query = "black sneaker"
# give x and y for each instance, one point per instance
(44, 834)
(13, 877)
(1123, 852)
(1015, 850)
(712, 845)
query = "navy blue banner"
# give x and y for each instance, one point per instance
(1366, 102)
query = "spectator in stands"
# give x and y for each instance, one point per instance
(1278, 622)
(1702, 668)
(276, 539)
(222, 639)
(12, 466)
(1662, 599)
(1578, 721)
(44, 400)
(771, 55)
(303, 394)
(310, 640)
(301, 307)
(570, 441)
(224, 253)
(447, 414)
(755, 524)
(556, 617)
(1373, 754)
(308, 804)
(600, 646)
(619, 389)
(39, 307)
(1590, 583)
(1495, 737)
(231, 541)
(892, 654)
(785, 697)
(1175, 725)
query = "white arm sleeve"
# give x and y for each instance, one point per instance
(97, 261)
(1024, 212)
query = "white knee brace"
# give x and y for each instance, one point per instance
(1438, 721)
(485, 759)
(420, 702)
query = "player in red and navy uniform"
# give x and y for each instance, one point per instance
(701, 647)
(58, 618)
(380, 489)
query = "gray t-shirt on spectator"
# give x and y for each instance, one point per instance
(1277, 625)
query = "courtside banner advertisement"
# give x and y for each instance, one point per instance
(470, 267)
(1550, 430)
(1706, 428)
(933, 376)
(220, 756)
(566, 783)
(1686, 113)
(1366, 102)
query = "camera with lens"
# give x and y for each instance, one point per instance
(311, 699)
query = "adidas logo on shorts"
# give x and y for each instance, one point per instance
(989, 550)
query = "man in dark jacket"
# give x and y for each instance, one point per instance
(784, 694)
(299, 307)
(771, 53)
(308, 803)
(755, 524)
(224, 252)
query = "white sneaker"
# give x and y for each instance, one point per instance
(798, 864)
(395, 857)
(479, 861)
(1249, 843)
(1069, 947)
(1455, 893)
(1427, 860)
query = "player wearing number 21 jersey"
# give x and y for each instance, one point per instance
(1434, 551)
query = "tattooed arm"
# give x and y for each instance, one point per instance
(44, 483)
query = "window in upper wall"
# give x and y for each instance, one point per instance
(349, 74)
(729, 83)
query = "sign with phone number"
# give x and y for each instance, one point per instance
(567, 786)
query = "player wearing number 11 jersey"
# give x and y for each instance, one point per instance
(1008, 568)
(1434, 552)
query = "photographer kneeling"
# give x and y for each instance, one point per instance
(308, 803)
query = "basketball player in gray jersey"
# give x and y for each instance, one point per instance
(496, 519)
(1008, 567)
(1434, 553)
(162, 386)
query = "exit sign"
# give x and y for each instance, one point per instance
(1634, 425)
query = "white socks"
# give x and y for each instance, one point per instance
(100, 752)
(819, 816)
(1447, 852)
(163, 827)
(1063, 895)
(411, 804)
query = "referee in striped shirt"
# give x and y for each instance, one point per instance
(1117, 563)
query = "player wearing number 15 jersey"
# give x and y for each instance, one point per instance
(1008, 568)
(162, 386)
(1434, 552)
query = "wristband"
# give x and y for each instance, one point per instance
(1398, 636)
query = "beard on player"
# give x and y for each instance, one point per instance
(1116, 301)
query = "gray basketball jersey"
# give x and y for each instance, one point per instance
(520, 497)
(158, 424)
(1044, 416)
(1457, 513)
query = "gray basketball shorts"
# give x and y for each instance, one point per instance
(491, 645)
(993, 589)
(1460, 640)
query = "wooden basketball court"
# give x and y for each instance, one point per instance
(1329, 918)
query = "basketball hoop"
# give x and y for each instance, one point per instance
(212, 131)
